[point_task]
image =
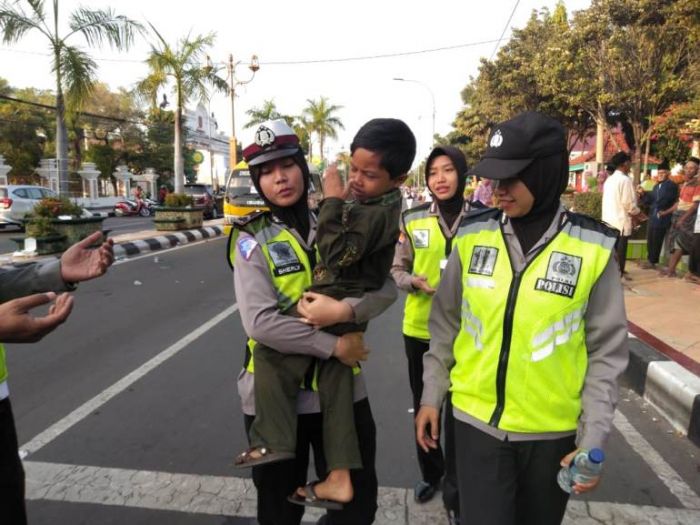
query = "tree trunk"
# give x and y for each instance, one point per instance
(61, 144)
(178, 164)
(320, 145)
(637, 162)
(646, 153)
(600, 139)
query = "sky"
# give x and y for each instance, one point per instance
(326, 33)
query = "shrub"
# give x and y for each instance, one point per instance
(178, 200)
(53, 207)
(39, 227)
(590, 203)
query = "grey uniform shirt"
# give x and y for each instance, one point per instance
(606, 340)
(265, 323)
(19, 281)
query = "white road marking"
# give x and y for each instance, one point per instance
(658, 465)
(236, 497)
(103, 397)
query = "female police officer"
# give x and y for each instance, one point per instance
(528, 331)
(267, 282)
(427, 231)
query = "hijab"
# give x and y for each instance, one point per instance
(452, 207)
(546, 179)
(295, 216)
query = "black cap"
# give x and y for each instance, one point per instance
(694, 160)
(663, 165)
(516, 143)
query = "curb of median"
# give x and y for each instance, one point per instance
(162, 242)
(667, 379)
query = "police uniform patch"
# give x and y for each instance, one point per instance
(483, 261)
(421, 238)
(246, 245)
(284, 258)
(562, 275)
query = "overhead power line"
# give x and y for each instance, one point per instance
(311, 61)
(95, 115)
(504, 29)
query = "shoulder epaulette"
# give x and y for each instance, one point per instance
(480, 215)
(416, 209)
(242, 222)
(590, 223)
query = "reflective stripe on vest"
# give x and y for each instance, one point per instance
(428, 242)
(521, 354)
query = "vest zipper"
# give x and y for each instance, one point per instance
(508, 325)
(505, 352)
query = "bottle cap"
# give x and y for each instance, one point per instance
(596, 455)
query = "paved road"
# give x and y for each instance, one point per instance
(129, 414)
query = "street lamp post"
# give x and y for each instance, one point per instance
(432, 98)
(233, 83)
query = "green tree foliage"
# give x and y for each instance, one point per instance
(321, 119)
(180, 67)
(74, 68)
(26, 131)
(258, 115)
(628, 60)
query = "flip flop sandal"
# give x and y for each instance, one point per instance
(267, 456)
(310, 499)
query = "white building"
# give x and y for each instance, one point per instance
(203, 135)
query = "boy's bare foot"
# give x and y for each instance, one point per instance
(336, 487)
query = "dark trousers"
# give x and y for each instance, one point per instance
(12, 507)
(694, 260)
(433, 464)
(276, 481)
(277, 380)
(621, 252)
(509, 482)
(655, 240)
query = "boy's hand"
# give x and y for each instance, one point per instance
(321, 310)
(333, 185)
(350, 349)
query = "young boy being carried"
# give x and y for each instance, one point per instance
(356, 240)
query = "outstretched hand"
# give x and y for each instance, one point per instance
(18, 326)
(333, 185)
(82, 263)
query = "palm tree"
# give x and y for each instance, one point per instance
(268, 111)
(322, 120)
(73, 67)
(181, 65)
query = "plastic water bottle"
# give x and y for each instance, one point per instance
(584, 468)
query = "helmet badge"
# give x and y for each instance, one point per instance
(496, 139)
(264, 137)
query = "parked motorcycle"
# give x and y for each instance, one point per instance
(127, 207)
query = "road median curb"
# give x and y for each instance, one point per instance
(667, 379)
(130, 248)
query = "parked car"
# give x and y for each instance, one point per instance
(17, 201)
(203, 198)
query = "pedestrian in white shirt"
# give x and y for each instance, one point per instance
(620, 204)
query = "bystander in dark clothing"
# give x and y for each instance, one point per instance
(660, 201)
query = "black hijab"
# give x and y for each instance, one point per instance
(295, 216)
(546, 179)
(449, 208)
